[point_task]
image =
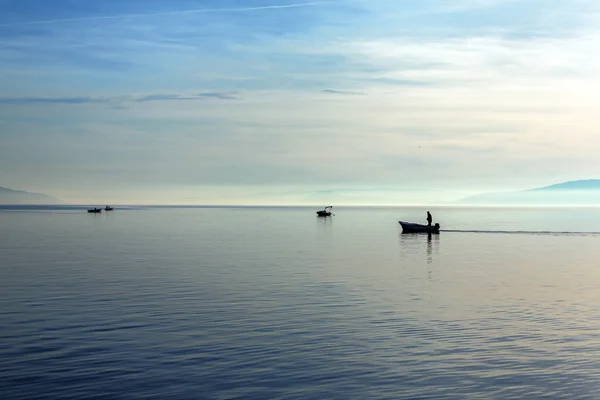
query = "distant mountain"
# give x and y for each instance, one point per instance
(11, 196)
(583, 192)
(589, 184)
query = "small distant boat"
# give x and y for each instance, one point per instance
(107, 208)
(95, 210)
(326, 212)
(409, 227)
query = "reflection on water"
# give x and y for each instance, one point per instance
(427, 244)
(429, 258)
(420, 242)
(324, 220)
(429, 248)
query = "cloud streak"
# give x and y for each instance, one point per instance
(170, 13)
(51, 100)
(117, 99)
(348, 92)
(196, 96)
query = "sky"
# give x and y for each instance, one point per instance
(292, 102)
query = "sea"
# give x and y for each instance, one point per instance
(277, 303)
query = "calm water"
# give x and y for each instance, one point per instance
(260, 303)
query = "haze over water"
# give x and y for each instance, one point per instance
(275, 303)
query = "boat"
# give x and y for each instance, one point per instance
(409, 227)
(107, 208)
(326, 212)
(95, 210)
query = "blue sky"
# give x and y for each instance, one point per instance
(252, 102)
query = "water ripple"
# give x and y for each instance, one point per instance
(241, 306)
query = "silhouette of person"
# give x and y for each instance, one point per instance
(429, 219)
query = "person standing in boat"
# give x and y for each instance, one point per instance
(429, 218)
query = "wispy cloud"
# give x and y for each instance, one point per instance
(348, 92)
(193, 96)
(52, 100)
(217, 95)
(170, 13)
(162, 97)
(75, 100)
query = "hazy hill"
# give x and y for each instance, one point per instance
(11, 196)
(589, 184)
(584, 192)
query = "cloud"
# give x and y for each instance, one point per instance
(117, 100)
(163, 97)
(399, 82)
(51, 100)
(197, 96)
(183, 12)
(217, 95)
(332, 91)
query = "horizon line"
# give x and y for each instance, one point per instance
(424, 205)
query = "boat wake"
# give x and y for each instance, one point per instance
(549, 233)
